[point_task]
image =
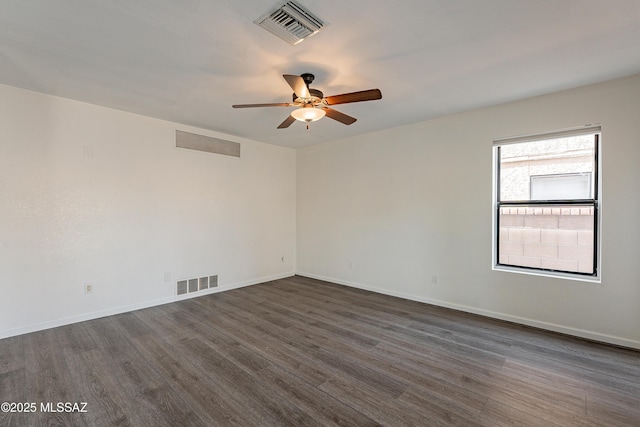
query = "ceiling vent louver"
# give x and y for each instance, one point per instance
(291, 22)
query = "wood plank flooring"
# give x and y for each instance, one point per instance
(302, 352)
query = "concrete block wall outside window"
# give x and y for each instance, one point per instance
(547, 238)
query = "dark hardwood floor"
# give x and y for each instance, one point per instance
(301, 352)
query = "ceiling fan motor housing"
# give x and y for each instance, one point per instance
(315, 99)
(316, 96)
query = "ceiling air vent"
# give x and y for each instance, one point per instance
(290, 21)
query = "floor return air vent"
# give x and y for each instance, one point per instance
(187, 286)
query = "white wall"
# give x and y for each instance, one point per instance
(94, 195)
(390, 210)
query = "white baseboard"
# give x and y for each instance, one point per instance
(138, 306)
(581, 333)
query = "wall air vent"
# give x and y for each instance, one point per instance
(291, 22)
(208, 144)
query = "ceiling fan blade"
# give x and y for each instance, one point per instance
(287, 122)
(337, 115)
(345, 98)
(298, 85)
(278, 104)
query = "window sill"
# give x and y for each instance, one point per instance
(551, 274)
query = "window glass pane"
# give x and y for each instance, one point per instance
(565, 163)
(556, 238)
(561, 186)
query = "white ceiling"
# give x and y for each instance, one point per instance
(188, 61)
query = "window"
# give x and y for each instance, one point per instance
(561, 186)
(547, 203)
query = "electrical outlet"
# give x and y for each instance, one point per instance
(167, 276)
(282, 259)
(351, 265)
(88, 288)
(434, 280)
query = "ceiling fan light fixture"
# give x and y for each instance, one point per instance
(308, 114)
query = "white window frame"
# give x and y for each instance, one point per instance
(597, 275)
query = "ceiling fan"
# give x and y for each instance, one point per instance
(313, 105)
